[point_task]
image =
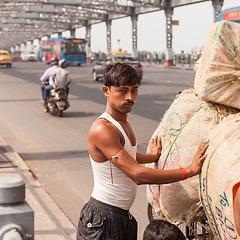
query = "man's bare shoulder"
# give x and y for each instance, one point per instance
(104, 134)
(102, 128)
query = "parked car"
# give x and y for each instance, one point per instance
(29, 56)
(196, 65)
(114, 57)
(16, 56)
(5, 58)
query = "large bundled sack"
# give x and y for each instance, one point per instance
(184, 126)
(217, 78)
(220, 172)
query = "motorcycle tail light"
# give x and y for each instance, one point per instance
(61, 95)
(138, 66)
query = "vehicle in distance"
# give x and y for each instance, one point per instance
(72, 49)
(196, 65)
(5, 58)
(16, 55)
(114, 57)
(29, 56)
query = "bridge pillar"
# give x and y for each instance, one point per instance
(109, 40)
(169, 56)
(217, 7)
(31, 45)
(134, 18)
(72, 32)
(88, 38)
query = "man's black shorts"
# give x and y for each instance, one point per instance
(100, 221)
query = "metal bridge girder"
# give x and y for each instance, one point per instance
(64, 15)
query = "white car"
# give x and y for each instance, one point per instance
(196, 65)
(114, 57)
(29, 56)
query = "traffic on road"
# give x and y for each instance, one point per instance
(55, 149)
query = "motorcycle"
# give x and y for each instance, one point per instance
(57, 101)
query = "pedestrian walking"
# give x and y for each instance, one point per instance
(182, 58)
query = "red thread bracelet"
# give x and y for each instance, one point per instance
(114, 156)
(185, 176)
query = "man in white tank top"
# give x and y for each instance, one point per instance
(116, 163)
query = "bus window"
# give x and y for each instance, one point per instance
(56, 48)
(75, 47)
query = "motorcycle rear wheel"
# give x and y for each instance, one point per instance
(59, 113)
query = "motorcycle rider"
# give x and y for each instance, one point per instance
(47, 76)
(61, 77)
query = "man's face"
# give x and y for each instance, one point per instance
(121, 98)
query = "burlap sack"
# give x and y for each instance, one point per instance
(221, 170)
(184, 126)
(217, 75)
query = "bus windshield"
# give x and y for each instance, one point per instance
(75, 46)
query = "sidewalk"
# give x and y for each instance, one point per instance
(50, 222)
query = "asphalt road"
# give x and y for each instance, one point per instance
(55, 148)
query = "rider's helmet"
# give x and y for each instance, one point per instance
(63, 63)
(54, 61)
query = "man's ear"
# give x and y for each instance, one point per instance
(106, 90)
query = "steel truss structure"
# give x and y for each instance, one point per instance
(23, 21)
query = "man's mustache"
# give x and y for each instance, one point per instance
(129, 101)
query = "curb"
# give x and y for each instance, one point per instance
(15, 158)
(50, 222)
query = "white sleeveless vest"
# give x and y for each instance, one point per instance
(123, 191)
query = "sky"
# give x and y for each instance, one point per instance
(191, 33)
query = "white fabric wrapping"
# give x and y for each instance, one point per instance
(184, 126)
(221, 170)
(217, 78)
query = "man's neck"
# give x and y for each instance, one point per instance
(118, 116)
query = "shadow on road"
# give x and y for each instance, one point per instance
(53, 155)
(79, 114)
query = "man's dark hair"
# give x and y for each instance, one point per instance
(162, 230)
(120, 74)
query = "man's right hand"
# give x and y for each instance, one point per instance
(198, 159)
(155, 147)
